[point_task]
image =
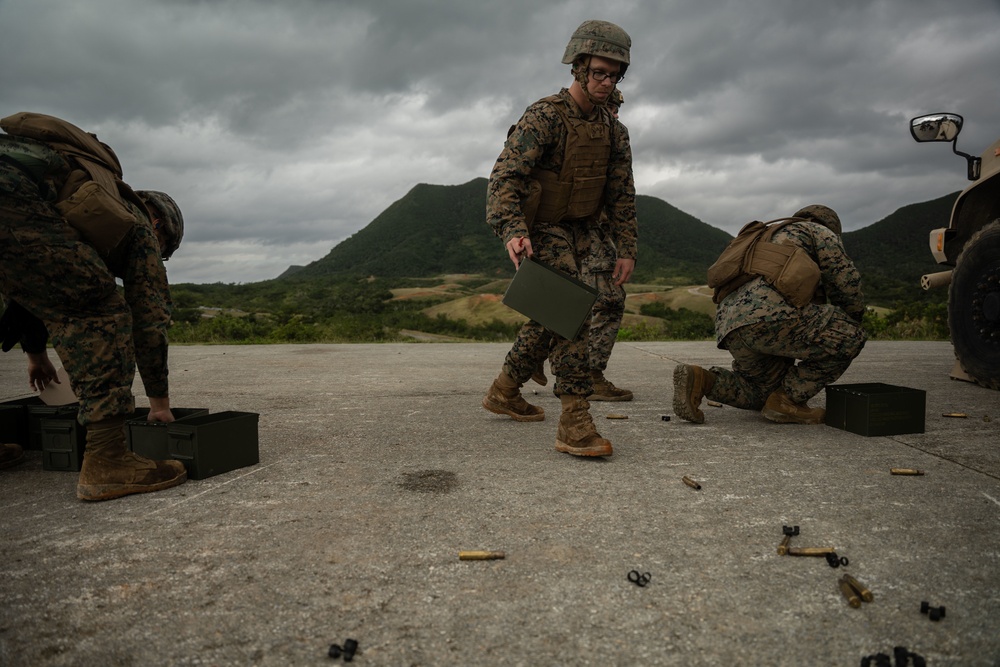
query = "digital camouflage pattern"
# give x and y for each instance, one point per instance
(539, 141)
(99, 334)
(765, 334)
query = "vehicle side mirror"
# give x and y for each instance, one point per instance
(945, 127)
(936, 127)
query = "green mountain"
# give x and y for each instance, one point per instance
(441, 229)
(893, 253)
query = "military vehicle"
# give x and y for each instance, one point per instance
(971, 246)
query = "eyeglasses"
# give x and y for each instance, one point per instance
(601, 75)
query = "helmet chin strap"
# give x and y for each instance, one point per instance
(581, 72)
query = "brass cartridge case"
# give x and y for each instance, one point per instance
(481, 555)
(690, 482)
(860, 588)
(849, 594)
(811, 551)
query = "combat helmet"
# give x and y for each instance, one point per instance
(824, 215)
(599, 38)
(169, 220)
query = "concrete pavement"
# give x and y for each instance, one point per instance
(377, 465)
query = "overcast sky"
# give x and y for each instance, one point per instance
(282, 128)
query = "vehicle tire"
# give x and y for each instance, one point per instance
(974, 306)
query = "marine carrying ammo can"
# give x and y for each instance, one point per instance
(875, 408)
(149, 439)
(210, 445)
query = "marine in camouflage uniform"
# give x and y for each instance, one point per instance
(535, 152)
(597, 270)
(50, 274)
(766, 334)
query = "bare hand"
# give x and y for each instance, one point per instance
(159, 410)
(623, 271)
(517, 246)
(41, 371)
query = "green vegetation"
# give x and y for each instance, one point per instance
(382, 284)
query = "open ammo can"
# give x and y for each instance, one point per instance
(875, 408)
(210, 445)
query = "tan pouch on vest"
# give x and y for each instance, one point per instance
(789, 269)
(100, 216)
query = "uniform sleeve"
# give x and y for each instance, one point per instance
(841, 280)
(620, 194)
(148, 295)
(536, 130)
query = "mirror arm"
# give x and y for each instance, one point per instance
(975, 163)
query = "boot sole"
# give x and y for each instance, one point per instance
(682, 407)
(95, 492)
(498, 410)
(615, 399)
(782, 418)
(583, 451)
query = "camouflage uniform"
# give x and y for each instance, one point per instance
(765, 334)
(99, 333)
(538, 141)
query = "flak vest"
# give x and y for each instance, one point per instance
(577, 191)
(91, 196)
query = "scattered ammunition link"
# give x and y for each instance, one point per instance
(956, 415)
(665, 418)
(639, 579)
(350, 648)
(790, 532)
(849, 594)
(690, 482)
(334, 651)
(905, 471)
(811, 551)
(832, 560)
(860, 588)
(481, 555)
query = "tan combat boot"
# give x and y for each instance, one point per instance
(577, 434)
(110, 471)
(605, 390)
(504, 398)
(11, 454)
(782, 409)
(691, 384)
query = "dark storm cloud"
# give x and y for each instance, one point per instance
(283, 128)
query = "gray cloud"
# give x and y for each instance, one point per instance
(283, 128)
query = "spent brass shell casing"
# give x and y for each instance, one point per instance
(690, 482)
(783, 547)
(849, 594)
(481, 555)
(905, 471)
(860, 588)
(811, 551)
(614, 416)
(956, 415)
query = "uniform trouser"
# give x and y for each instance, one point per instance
(563, 245)
(46, 268)
(764, 356)
(605, 318)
